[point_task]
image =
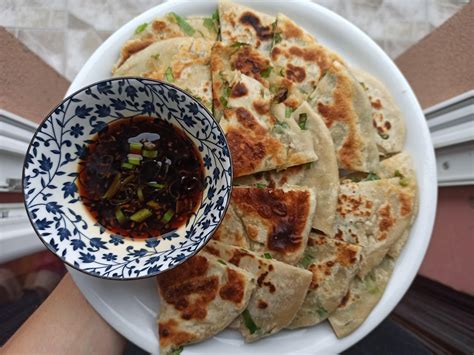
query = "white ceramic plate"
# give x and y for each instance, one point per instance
(131, 306)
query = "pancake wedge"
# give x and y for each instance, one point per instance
(346, 110)
(170, 26)
(387, 119)
(333, 264)
(257, 140)
(277, 221)
(298, 57)
(280, 290)
(374, 214)
(321, 175)
(241, 24)
(400, 166)
(183, 61)
(198, 299)
(363, 296)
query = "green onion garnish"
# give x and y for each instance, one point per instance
(260, 186)
(140, 194)
(141, 215)
(372, 177)
(308, 166)
(306, 261)
(167, 216)
(209, 23)
(248, 321)
(134, 159)
(398, 174)
(222, 261)
(228, 91)
(121, 218)
(322, 313)
(127, 166)
(153, 204)
(403, 182)
(223, 101)
(155, 185)
(136, 148)
(267, 256)
(383, 135)
(141, 28)
(277, 38)
(169, 75)
(113, 188)
(183, 24)
(156, 56)
(177, 351)
(150, 153)
(238, 44)
(266, 73)
(288, 112)
(302, 120)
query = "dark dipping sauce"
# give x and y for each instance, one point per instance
(142, 177)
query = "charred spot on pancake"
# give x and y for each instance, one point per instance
(158, 25)
(276, 51)
(247, 119)
(188, 288)
(290, 30)
(234, 288)
(376, 104)
(284, 212)
(386, 218)
(346, 255)
(261, 278)
(250, 62)
(246, 154)
(406, 204)
(211, 250)
(170, 334)
(262, 107)
(295, 73)
(262, 304)
(263, 32)
(284, 238)
(281, 95)
(238, 255)
(314, 280)
(239, 90)
(345, 299)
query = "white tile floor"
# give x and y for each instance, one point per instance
(66, 32)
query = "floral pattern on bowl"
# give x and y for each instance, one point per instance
(51, 171)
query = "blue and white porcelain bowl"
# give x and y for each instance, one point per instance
(51, 171)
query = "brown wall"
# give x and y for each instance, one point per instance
(439, 67)
(28, 86)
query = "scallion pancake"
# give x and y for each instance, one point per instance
(169, 26)
(333, 264)
(183, 61)
(387, 119)
(280, 290)
(277, 221)
(198, 299)
(374, 214)
(346, 110)
(363, 296)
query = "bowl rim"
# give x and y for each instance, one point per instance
(69, 97)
